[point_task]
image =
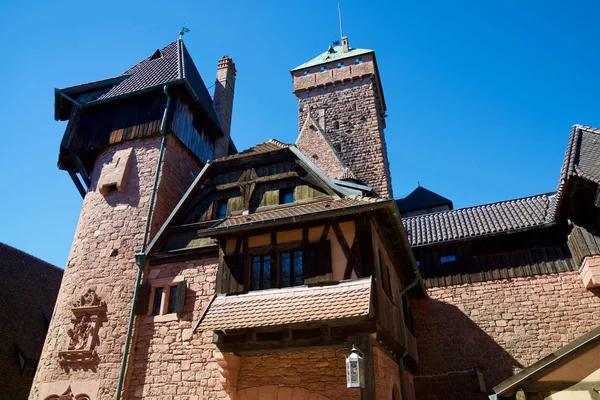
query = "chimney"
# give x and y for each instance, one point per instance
(223, 102)
(345, 46)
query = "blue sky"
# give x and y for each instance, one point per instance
(481, 95)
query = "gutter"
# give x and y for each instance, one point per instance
(140, 258)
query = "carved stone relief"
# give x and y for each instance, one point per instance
(88, 314)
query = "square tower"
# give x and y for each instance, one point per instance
(342, 85)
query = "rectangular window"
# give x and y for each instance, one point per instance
(292, 268)
(306, 73)
(358, 60)
(286, 196)
(260, 277)
(222, 209)
(157, 303)
(323, 69)
(172, 299)
(447, 259)
(340, 65)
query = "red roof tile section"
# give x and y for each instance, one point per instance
(274, 307)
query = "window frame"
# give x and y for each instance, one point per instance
(166, 285)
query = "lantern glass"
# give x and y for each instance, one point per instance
(355, 369)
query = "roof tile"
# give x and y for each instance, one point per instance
(274, 307)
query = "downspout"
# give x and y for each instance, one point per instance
(140, 258)
(402, 378)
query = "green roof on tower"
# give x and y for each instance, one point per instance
(334, 53)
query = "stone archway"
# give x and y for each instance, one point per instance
(278, 393)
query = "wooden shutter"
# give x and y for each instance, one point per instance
(317, 259)
(143, 298)
(235, 268)
(180, 297)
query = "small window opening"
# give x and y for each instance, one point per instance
(306, 73)
(323, 69)
(338, 147)
(447, 259)
(157, 303)
(292, 269)
(340, 65)
(261, 272)
(222, 209)
(358, 60)
(336, 125)
(418, 263)
(286, 196)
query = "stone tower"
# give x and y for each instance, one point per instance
(342, 88)
(133, 145)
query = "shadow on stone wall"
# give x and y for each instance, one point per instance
(450, 346)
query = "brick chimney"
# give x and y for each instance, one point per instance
(345, 46)
(223, 101)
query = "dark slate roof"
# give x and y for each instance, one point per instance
(470, 222)
(28, 292)
(421, 198)
(170, 64)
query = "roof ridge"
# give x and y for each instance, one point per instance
(276, 142)
(588, 128)
(180, 63)
(547, 194)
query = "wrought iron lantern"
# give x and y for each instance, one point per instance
(355, 369)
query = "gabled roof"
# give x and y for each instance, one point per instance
(171, 64)
(334, 53)
(421, 198)
(277, 307)
(315, 144)
(582, 158)
(470, 222)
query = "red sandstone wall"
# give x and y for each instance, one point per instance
(319, 371)
(497, 327)
(360, 134)
(108, 235)
(169, 360)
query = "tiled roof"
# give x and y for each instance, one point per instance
(480, 220)
(28, 292)
(334, 53)
(170, 64)
(276, 307)
(421, 198)
(261, 148)
(582, 157)
(293, 210)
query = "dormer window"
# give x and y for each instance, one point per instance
(286, 196)
(323, 69)
(221, 209)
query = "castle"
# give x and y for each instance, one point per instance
(285, 271)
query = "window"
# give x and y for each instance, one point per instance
(157, 301)
(260, 277)
(323, 69)
(448, 258)
(384, 273)
(336, 125)
(306, 73)
(292, 269)
(221, 209)
(358, 60)
(418, 263)
(167, 298)
(286, 196)
(340, 65)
